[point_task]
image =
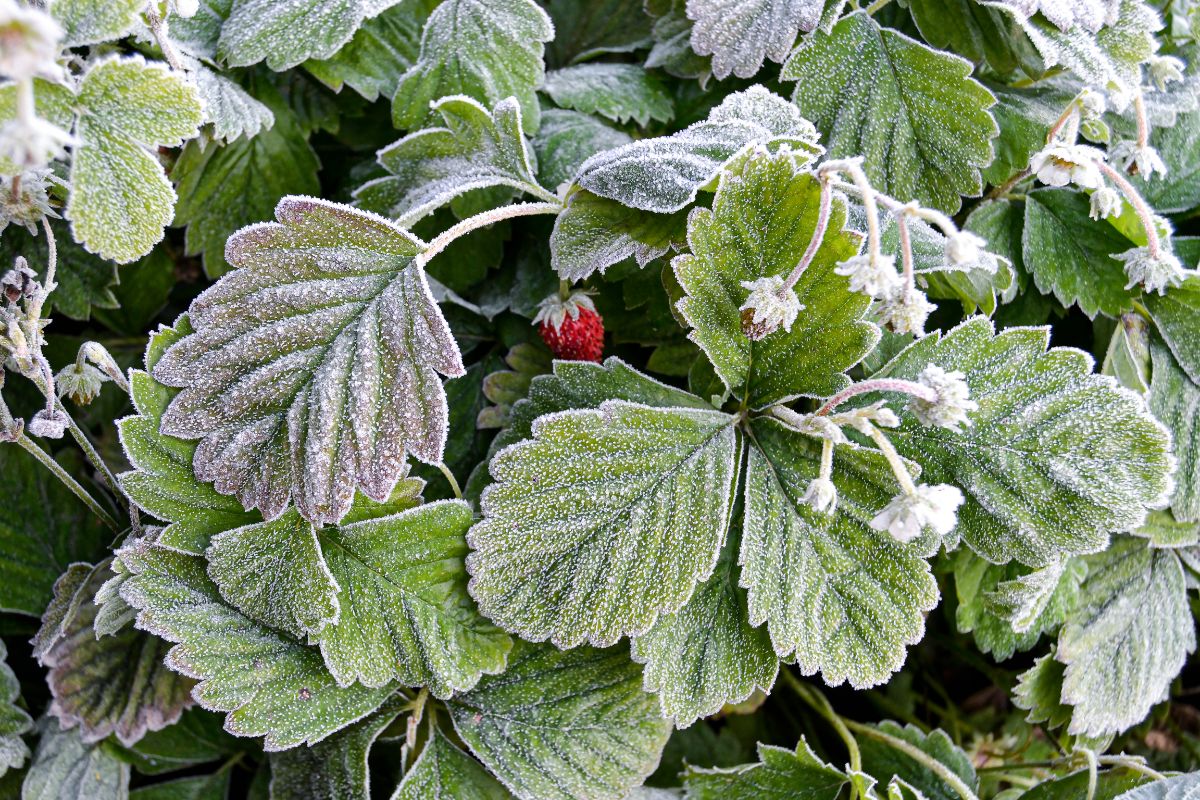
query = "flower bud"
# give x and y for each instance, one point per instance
(770, 306)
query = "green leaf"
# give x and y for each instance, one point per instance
(780, 774)
(1039, 691)
(1128, 639)
(287, 34)
(372, 62)
(477, 149)
(1177, 786)
(620, 92)
(844, 598)
(64, 768)
(560, 725)
(672, 50)
(200, 787)
(230, 109)
(313, 368)
(1175, 314)
(915, 114)
(14, 722)
(1179, 145)
(1110, 784)
(197, 738)
(144, 289)
(584, 29)
(95, 21)
(1175, 401)
(592, 233)
(885, 762)
(1025, 116)
(976, 31)
(486, 49)
(443, 772)
(707, 654)
(1070, 255)
(405, 612)
(1056, 457)
(630, 505)
(85, 281)
(120, 199)
(268, 683)
(52, 102)
(109, 684)
(665, 174)
(566, 139)
(760, 225)
(741, 34)
(52, 530)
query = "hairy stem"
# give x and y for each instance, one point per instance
(906, 256)
(158, 27)
(1144, 213)
(450, 479)
(818, 236)
(1143, 123)
(868, 195)
(1008, 185)
(49, 463)
(482, 220)
(894, 460)
(918, 755)
(878, 385)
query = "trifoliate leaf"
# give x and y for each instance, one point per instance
(872, 91)
(52, 530)
(1128, 639)
(231, 110)
(1056, 457)
(780, 774)
(443, 772)
(335, 767)
(1175, 316)
(1179, 145)
(85, 281)
(1039, 691)
(14, 722)
(760, 225)
(592, 233)
(1175, 401)
(120, 199)
(1177, 787)
(268, 683)
(287, 34)
(95, 21)
(1072, 256)
(405, 610)
(664, 175)
(628, 506)
(566, 139)
(976, 31)
(313, 368)
(885, 762)
(584, 29)
(672, 50)
(707, 654)
(740, 35)
(64, 768)
(486, 49)
(620, 92)
(560, 725)
(431, 167)
(372, 62)
(844, 598)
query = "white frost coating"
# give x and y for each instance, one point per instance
(313, 368)
(228, 107)
(1178, 787)
(620, 92)
(1091, 15)
(740, 34)
(1022, 600)
(289, 32)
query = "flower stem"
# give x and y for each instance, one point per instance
(1066, 116)
(1143, 123)
(482, 220)
(450, 479)
(819, 703)
(894, 460)
(878, 4)
(1145, 215)
(918, 755)
(818, 236)
(878, 385)
(906, 256)
(827, 459)
(868, 195)
(158, 27)
(49, 463)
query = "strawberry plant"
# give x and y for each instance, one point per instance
(567, 399)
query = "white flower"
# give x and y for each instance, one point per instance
(80, 382)
(185, 8)
(29, 204)
(28, 41)
(953, 401)
(1091, 104)
(1061, 164)
(821, 495)
(1145, 160)
(876, 280)
(907, 514)
(1155, 274)
(48, 423)
(1106, 202)
(1164, 70)
(770, 306)
(964, 248)
(906, 311)
(34, 143)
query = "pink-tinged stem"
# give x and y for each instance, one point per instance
(1139, 205)
(818, 236)
(911, 388)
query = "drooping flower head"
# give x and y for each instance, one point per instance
(908, 513)
(953, 401)
(1156, 274)
(770, 306)
(1061, 164)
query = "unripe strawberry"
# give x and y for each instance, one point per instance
(571, 328)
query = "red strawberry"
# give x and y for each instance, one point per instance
(571, 328)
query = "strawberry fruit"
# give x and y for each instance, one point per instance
(571, 328)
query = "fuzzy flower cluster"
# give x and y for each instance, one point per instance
(909, 513)
(28, 41)
(771, 305)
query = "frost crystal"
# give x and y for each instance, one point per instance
(28, 41)
(555, 310)
(953, 402)
(964, 248)
(80, 382)
(1164, 70)
(49, 423)
(905, 311)
(1106, 202)
(770, 306)
(1061, 164)
(185, 8)
(1155, 274)
(908, 513)
(878, 279)
(1145, 161)
(821, 495)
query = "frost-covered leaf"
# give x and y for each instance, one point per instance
(110, 684)
(1177, 787)
(1056, 457)
(1175, 401)
(120, 199)
(94, 21)
(333, 768)
(1128, 639)
(557, 725)
(85, 281)
(313, 368)
(476, 149)
(1039, 599)
(268, 683)
(231, 110)
(443, 772)
(51, 101)
(505, 387)
(760, 225)
(976, 31)
(741, 34)
(485, 49)
(780, 774)
(672, 50)
(1176, 313)
(620, 92)
(1039, 691)
(603, 520)
(844, 598)
(1063, 14)
(51, 530)
(566, 139)
(1025, 115)
(915, 114)
(1179, 145)
(707, 654)
(1070, 255)
(287, 34)
(405, 612)
(584, 29)
(64, 768)
(14, 722)
(197, 738)
(664, 174)
(592, 233)
(885, 762)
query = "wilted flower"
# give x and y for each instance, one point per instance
(1145, 160)
(876, 279)
(953, 401)
(18, 282)
(1106, 202)
(1061, 164)
(32, 143)
(770, 306)
(909, 513)
(29, 204)
(963, 248)
(1164, 70)
(821, 495)
(80, 382)
(28, 40)
(49, 423)
(1155, 274)
(906, 311)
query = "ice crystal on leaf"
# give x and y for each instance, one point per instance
(740, 35)
(313, 368)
